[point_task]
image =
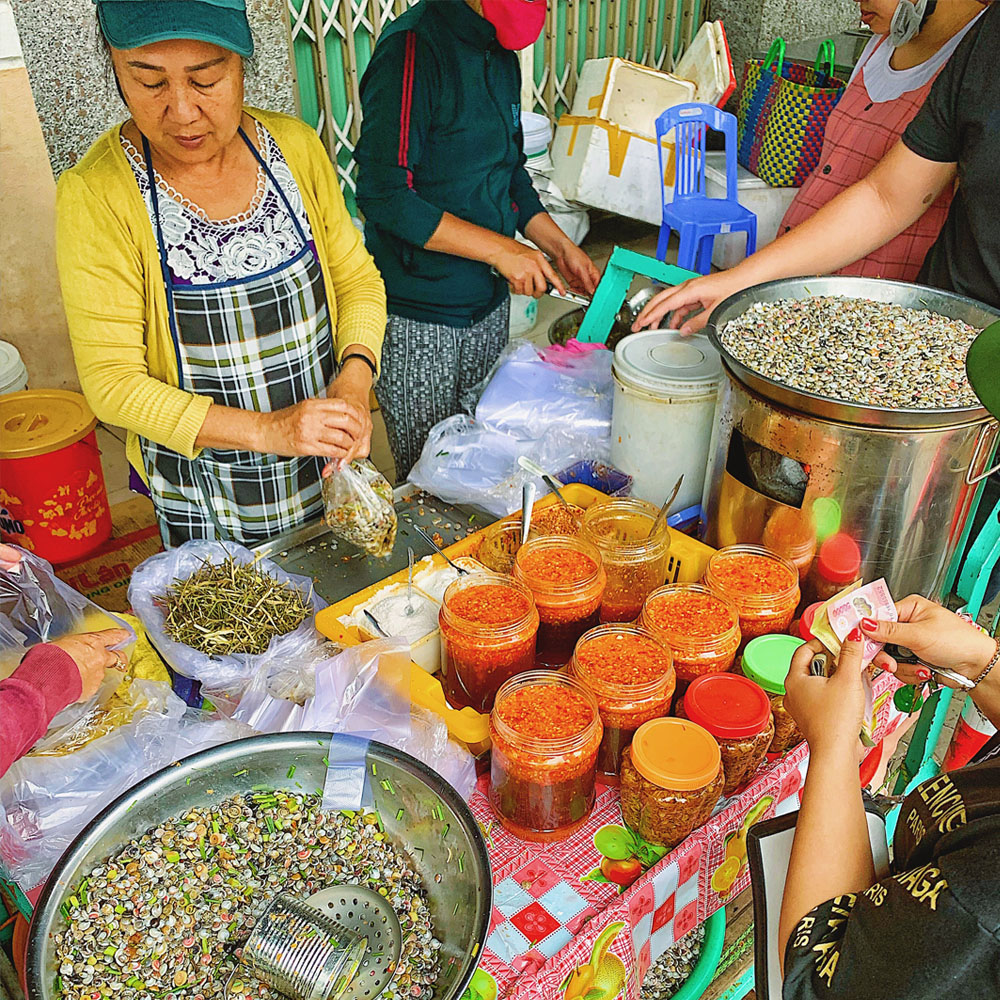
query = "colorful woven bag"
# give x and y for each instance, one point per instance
(782, 114)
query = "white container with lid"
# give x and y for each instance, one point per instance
(13, 374)
(661, 421)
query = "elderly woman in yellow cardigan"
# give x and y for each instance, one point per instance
(221, 304)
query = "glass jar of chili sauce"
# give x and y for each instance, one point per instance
(567, 581)
(737, 712)
(701, 628)
(671, 780)
(631, 676)
(546, 730)
(635, 561)
(792, 534)
(763, 585)
(489, 626)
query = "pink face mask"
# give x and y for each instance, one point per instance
(518, 23)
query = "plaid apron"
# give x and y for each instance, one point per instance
(258, 343)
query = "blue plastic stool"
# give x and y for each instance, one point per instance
(696, 217)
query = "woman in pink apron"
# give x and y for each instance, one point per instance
(913, 41)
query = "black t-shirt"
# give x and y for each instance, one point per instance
(960, 123)
(930, 930)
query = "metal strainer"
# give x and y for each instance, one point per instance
(368, 914)
(302, 952)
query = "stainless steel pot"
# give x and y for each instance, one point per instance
(436, 828)
(901, 482)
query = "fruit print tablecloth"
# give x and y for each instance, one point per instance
(585, 918)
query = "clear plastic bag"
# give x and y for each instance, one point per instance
(466, 462)
(358, 507)
(527, 396)
(45, 801)
(153, 576)
(362, 691)
(36, 606)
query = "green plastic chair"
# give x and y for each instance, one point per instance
(623, 266)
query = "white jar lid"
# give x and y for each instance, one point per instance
(664, 362)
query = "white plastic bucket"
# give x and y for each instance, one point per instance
(537, 133)
(13, 374)
(661, 418)
(523, 314)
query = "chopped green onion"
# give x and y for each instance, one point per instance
(291, 772)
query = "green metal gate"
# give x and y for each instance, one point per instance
(332, 41)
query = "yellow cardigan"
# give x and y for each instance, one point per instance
(116, 305)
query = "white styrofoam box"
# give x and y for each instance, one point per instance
(768, 203)
(707, 64)
(601, 165)
(630, 95)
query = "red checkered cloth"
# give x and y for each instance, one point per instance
(550, 903)
(858, 134)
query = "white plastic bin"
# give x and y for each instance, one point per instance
(601, 165)
(661, 419)
(768, 203)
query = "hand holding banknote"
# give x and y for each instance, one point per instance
(937, 636)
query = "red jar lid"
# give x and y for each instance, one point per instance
(839, 559)
(730, 707)
(807, 619)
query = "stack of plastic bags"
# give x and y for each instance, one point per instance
(551, 407)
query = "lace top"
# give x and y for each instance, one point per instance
(203, 251)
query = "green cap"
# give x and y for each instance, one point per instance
(982, 365)
(127, 24)
(767, 660)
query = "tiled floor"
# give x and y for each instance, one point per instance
(606, 232)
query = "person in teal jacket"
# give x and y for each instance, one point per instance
(443, 188)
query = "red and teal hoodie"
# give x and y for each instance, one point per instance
(441, 132)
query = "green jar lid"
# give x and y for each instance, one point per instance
(767, 658)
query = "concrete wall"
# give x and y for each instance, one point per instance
(31, 315)
(74, 94)
(751, 25)
(45, 126)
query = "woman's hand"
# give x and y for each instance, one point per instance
(93, 655)
(526, 270)
(313, 427)
(10, 558)
(577, 268)
(828, 710)
(683, 300)
(937, 636)
(353, 387)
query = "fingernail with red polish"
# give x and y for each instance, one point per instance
(869, 624)
(855, 636)
(924, 675)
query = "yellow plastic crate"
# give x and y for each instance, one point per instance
(687, 562)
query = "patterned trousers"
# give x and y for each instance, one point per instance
(426, 369)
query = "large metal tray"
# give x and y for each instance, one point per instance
(898, 292)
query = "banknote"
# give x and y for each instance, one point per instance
(843, 613)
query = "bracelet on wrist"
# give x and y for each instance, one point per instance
(360, 357)
(989, 666)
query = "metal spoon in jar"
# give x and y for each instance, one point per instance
(437, 548)
(527, 502)
(662, 516)
(553, 484)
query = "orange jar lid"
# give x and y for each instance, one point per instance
(676, 753)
